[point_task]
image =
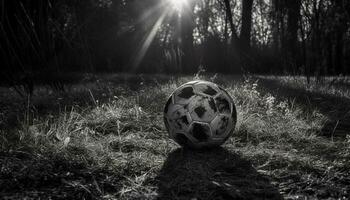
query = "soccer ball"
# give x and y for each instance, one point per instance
(200, 114)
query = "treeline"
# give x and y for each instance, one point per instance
(309, 37)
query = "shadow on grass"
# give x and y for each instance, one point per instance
(335, 108)
(212, 174)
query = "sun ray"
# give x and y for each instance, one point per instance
(148, 40)
(170, 7)
(151, 12)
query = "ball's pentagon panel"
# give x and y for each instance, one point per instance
(202, 108)
(200, 131)
(200, 114)
(183, 95)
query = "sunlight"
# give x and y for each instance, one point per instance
(168, 7)
(148, 40)
(178, 4)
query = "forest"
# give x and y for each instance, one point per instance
(102, 99)
(309, 37)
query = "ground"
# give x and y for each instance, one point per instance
(104, 138)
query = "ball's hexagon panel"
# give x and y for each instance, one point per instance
(228, 96)
(200, 131)
(174, 110)
(223, 104)
(221, 125)
(169, 104)
(233, 107)
(166, 122)
(206, 88)
(182, 139)
(184, 95)
(202, 109)
(179, 120)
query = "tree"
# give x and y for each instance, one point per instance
(236, 59)
(293, 18)
(246, 29)
(245, 35)
(341, 27)
(188, 63)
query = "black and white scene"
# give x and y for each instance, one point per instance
(175, 99)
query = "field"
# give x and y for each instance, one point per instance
(104, 138)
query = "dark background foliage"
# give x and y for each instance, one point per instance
(308, 37)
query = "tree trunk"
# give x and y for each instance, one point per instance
(234, 38)
(246, 32)
(232, 26)
(293, 14)
(246, 24)
(188, 63)
(339, 52)
(340, 31)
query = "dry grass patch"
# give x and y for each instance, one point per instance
(112, 144)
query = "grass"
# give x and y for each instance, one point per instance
(105, 139)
